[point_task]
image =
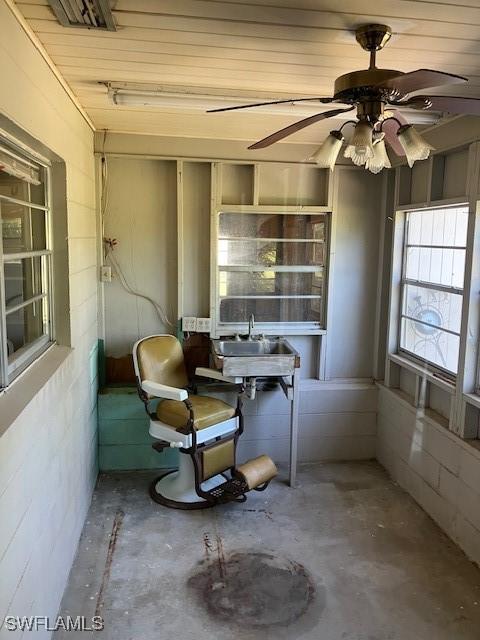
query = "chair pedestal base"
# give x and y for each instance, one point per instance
(176, 489)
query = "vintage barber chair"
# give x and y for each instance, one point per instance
(204, 429)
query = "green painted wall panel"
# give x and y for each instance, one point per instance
(124, 431)
(124, 441)
(136, 456)
(119, 403)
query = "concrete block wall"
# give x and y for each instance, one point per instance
(440, 471)
(337, 422)
(48, 430)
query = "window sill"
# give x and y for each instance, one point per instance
(437, 421)
(423, 371)
(473, 399)
(21, 392)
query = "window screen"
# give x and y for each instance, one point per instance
(25, 291)
(432, 285)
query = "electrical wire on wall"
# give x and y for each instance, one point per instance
(110, 243)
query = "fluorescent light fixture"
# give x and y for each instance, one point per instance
(199, 100)
(414, 145)
(89, 14)
(327, 154)
(131, 94)
(139, 98)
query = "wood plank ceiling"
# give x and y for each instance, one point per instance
(266, 48)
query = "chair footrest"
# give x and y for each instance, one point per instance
(229, 490)
(256, 472)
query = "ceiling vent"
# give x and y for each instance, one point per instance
(87, 14)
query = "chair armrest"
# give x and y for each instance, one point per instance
(205, 372)
(163, 391)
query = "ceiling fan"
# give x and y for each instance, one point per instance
(371, 92)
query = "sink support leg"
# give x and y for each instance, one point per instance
(294, 428)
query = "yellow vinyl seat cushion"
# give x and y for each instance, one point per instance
(207, 411)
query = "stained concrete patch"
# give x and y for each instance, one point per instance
(255, 590)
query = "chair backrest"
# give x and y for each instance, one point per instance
(160, 359)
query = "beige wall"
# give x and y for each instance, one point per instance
(141, 216)
(48, 417)
(199, 148)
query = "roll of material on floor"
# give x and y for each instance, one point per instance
(257, 471)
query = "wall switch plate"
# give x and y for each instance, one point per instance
(189, 323)
(105, 273)
(203, 325)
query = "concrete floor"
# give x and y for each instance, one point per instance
(346, 556)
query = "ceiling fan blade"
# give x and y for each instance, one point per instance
(296, 126)
(264, 104)
(420, 79)
(452, 104)
(390, 128)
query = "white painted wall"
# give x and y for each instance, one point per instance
(48, 441)
(141, 216)
(438, 469)
(353, 292)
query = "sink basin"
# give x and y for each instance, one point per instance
(253, 347)
(266, 357)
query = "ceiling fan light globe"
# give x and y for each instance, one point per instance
(358, 155)
(327, 154)
(360, 148)
(362, 135)
(380, 159)
(414, 145)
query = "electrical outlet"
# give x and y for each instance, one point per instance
(105, 273)
(203, 325)
(189, 324)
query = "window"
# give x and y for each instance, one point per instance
(25, 289)
(271, 265)
(432, 285)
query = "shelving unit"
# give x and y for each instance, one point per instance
(268, 190)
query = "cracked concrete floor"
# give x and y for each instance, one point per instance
(345, 556)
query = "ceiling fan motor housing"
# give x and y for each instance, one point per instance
(356, 85)
(371, 110)
(362, 86)
(373, 37)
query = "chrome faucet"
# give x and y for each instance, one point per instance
(251, 324)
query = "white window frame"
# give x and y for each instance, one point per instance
(24, 356)
(404, 281)
(219, 328)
